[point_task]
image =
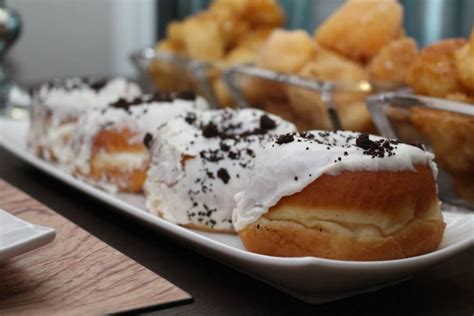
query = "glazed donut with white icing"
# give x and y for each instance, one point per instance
(57, 105)
(108, 144)
(340, 195)
(201, 160)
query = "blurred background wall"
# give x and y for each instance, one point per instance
(94, 37)
(79, 37)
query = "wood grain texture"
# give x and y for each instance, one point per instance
(76, 274)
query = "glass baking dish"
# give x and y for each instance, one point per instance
(169, 72)
(309, 103)
(444, 127)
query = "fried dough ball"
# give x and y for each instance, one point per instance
(309, 106)
(460, 97)
(464, 60)
(174, 33)
(360, 28)
(286, 51)
(393, 60)
(265, 12)
(329, 66)
(433, 72)
(451, 135)
(232, 27)
(240, 56)
(258, 12)
(283, 51)
(169, 77)
(169, 47)
(203, 39)
(254, 40)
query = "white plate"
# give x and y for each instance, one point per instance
(313, 280)
(18, 236)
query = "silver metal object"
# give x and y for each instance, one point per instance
(10, 29)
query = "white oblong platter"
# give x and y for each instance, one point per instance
(18, 236)
(314, 280)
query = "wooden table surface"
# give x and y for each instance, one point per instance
(447, 289)
(75, 274)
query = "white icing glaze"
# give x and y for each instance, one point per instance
(62, 103)
(284, 169)
(73, 96)
(192, 178)
(139, 119)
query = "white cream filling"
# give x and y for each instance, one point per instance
(127, 160)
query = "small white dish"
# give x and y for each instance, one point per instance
(314, 280)
(18, 236)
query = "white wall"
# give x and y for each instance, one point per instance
(79, 37)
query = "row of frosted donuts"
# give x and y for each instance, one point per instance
(339, 195)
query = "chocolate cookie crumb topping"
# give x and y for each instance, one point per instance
(190, 118)
(364, 142)
(147, 140)
(223, 175)
(378, 148)
(210, 130)
(98, 85)
(266, 123)
(285, 139)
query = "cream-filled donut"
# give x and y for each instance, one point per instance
(340, 195)
(199, 161)
(108, 144)
(57, 105)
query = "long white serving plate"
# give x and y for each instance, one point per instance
(314, 280)
(18, 236)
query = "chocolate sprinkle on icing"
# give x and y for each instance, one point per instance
(266, 123)
(285, 139)
(210, 130)
(147, 140)
(155, 97)
(98, 85)
(223, 175)
(190, 118)
(121, 104)
(378, 148)
(364, 142)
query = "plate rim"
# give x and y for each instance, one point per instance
(41, 236)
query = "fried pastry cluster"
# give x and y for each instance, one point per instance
(446, 70)
(362, 41)
(230, 32)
